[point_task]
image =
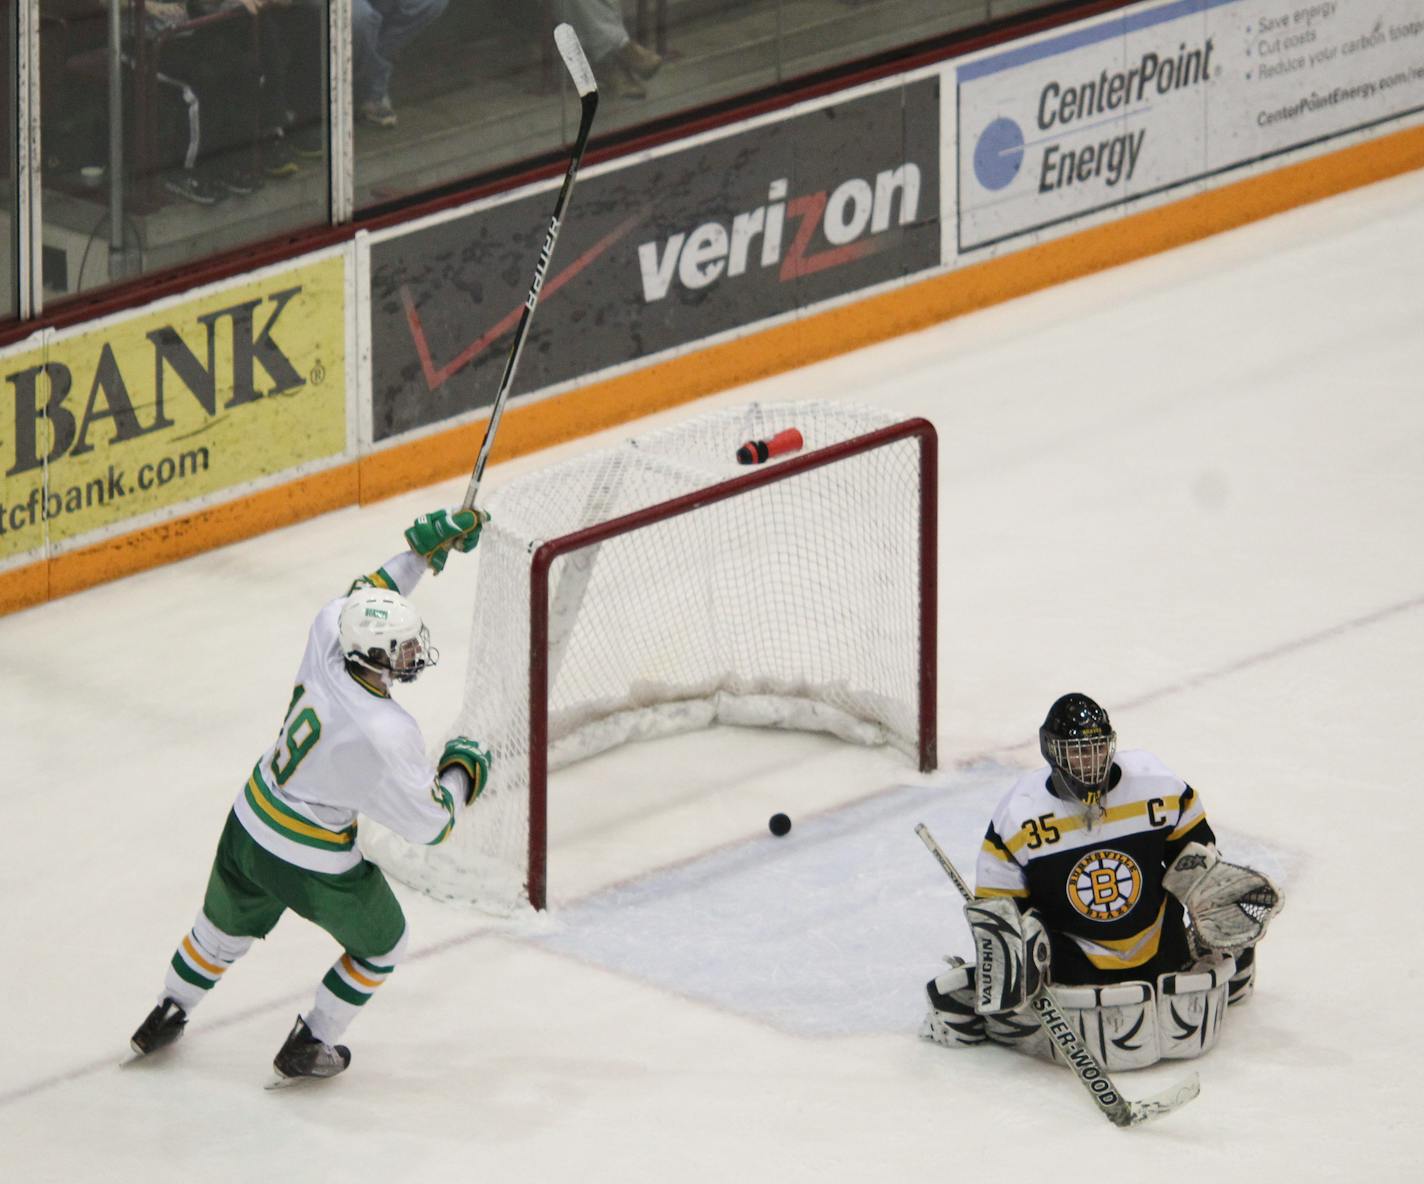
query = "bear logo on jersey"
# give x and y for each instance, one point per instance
(1104, 884)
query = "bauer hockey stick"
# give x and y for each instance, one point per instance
(1119, 1110)
(582, 75)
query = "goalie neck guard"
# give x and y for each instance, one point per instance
(1078, 742)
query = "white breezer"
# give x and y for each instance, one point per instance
(660, 586)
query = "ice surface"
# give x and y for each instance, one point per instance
(829, 930)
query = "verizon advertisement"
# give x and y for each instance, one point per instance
(1085, 119)
(668, 251)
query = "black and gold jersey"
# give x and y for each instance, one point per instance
(1096, 881)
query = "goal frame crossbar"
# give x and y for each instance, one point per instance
(544, 556)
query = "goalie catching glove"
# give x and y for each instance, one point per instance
(1230, 905)
(433, 535)
(1012, 949)
(469, 756)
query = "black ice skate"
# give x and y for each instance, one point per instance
(162, 1027)
(303, 1055)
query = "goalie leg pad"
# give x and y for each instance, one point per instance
(1243, 979)
(1021, 1031)
(954, 1023)
(1191, 1005)
(1118, 1023)
(952, 1020)
(1131, 1025)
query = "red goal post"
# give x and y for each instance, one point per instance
(800, 593)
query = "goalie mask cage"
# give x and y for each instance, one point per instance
(660, 586)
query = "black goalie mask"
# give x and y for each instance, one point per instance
(1078, 742)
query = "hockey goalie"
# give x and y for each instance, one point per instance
(1100, 876)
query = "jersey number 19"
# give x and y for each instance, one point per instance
(300, 733)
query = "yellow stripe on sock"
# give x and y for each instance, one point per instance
(350, 968)
(194, 956)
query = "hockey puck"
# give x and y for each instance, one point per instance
(779, 824)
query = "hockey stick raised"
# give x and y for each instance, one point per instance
(582, 75)
(1094, 1078)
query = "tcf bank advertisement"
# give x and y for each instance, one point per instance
(1056, 130)
(133, 417)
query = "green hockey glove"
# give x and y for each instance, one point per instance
(433, 535)
(469, 755)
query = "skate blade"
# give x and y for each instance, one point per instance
(280, 1082)
(134, 1056)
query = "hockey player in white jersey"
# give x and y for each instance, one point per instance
(345, 748)
(1088, 873)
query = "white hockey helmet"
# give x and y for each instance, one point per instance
(382, 630)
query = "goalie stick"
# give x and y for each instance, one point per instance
(582, 75)
(1119, 1110)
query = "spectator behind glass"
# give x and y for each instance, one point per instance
(380, 29)
(292, 50)
(620, 62)
(209, 80)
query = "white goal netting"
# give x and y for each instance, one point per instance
(794, 603)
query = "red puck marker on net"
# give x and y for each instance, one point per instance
(757, 452)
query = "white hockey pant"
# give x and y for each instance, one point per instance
(1126, 1026)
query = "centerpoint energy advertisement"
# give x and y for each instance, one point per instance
(131, 416)
(1161, 96)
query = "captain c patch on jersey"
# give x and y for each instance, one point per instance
(1104, 884)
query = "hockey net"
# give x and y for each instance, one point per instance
(660, 586)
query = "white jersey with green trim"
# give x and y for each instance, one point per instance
(345, 748)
